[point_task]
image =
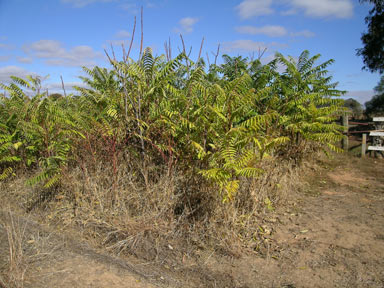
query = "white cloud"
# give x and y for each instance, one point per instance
(273, 31)
(122, 34)
(269, 30)
(303, 33)
(120, 38)
(323, 8)
(5, 58)
(55, 54)
(117, 43)
(7, 71)
(56, 87)
(6, 46)
(250, 46)
(186, 24)
(134, 6)
(45, 49)
(312, 8)
(250, 8)
(130, 7)
(288, 12)
(83, 3)
(360, 95)
(25, 60)
(243, 46)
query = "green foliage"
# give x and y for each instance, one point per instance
(354, 107)
(373, 40)
(375, 106)
(8, 157)
(219, 124)
(42, 128)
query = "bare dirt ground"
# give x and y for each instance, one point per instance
(330, 234)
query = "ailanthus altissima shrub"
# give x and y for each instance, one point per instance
(213, 132)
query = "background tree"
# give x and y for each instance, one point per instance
(355, 107)
(55, 96)
(373, 40)
(375, 106)
(233, 67)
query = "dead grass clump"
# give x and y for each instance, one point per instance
(156, 212)
(126, 214)
(12, 274)
(23, 248)
(246, 223)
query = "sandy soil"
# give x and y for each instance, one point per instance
(329, 235)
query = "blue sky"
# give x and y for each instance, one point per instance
(57, 37)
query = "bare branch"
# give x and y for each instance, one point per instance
(201, 48)
(209, 63)
(217, 53)
(113, 52)
(182, 42)
(142, 34)
(185, 54)
(166, 50)
(62, 85)
(261, 53)
(132, 38)
(124, 52)
(252, 56)
(109, 58)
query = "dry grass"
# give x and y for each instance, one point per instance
(24, 248)
(17, 263)
(175, 212)
(176, 209)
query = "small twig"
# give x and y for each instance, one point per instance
(209, 63)
(261, 53)
(123, 48)
(109, 58)
(252, 56)
(185, 54)
(217, 53)
(166, 50)
(201, 48)
(62, 85)
(113, 52)
(132, 38)
(142, 34)
(182, 42)
(170, 48)
(206, 260)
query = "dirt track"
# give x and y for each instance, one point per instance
(330, 235)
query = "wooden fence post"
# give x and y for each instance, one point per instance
(345, 143)
(364, 145)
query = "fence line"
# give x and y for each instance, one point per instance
(377, 135)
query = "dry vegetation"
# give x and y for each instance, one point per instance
(17, 260)
(23, 248)
(326, 226)
(162, 156)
